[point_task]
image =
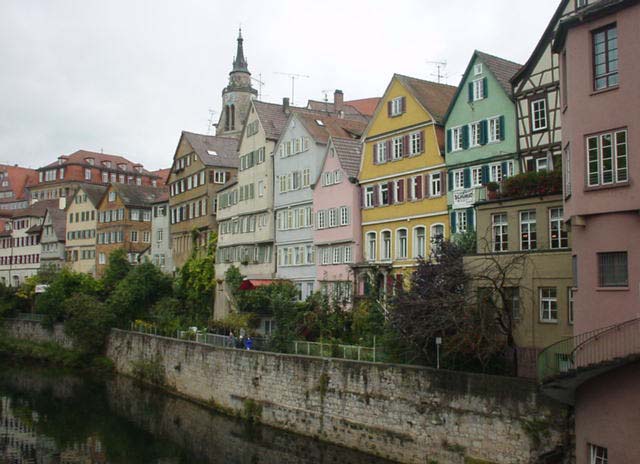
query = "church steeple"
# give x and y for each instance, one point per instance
(237, 95)
(239, 62)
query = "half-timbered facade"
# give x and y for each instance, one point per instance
(536, 91)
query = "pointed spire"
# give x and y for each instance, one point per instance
(239, 62)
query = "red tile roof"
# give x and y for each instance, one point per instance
(81, 157)
(434, 97)
(163, 176)
(321, 127)
(366, 106)
(17, 179)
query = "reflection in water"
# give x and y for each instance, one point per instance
(50, 417)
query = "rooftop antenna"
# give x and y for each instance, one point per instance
(210, 124)
(293, 81)
(326, 99)
(260, 84)
(440, 67)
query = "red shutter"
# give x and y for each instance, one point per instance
(418, 187)
(421, 142)
(389, 108)
(427, 192)
(409, 196)
(400, 190)
(389, 148)
(376, 194)
(404, 105)
(405, 142)
(375, 153)
(392, 199)
(443, 182)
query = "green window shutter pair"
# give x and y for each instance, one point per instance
(449, 141)
(465, 137)
(484, 131)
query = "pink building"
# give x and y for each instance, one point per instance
(336, 206)
(598, 369)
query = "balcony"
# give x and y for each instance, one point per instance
(564, 366)
(526, 184)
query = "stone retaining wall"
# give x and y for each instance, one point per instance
(35, 331)
(408, 414)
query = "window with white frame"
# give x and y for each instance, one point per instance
(495, 172)
(385, 238)
(368, 196)
(456, 138)
(476, 176)
(435, 185)
(542, 164)
(415, 145)
(327, 178)
(322, 219)
(607, 158)
(381, 152)
(402, 243)
(87, 174)
(347, 254)
(112, 196)
(558, 236)
(306, 178)
(539, 114)
(419, 242)
(500, 232)
(494, 130)
(337, 255)
(477, 69)
(134, 235)
(437, 236)
(548, 304)
(461, 221)
(326, 255)
(102, 258)
(528, 234)
(333, 217)
(344, 216)
(458, 179)
(398, 147)
(371, 246)
(219, 177)
(384, 194)
(413, 187)
(396, 106)
(598, 454)
(474, 134)
(478, 89)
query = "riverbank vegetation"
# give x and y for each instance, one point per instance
(402, 322)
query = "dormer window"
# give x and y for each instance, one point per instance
(138, 168)
(122, 167)
(90, 161)
(107, 164)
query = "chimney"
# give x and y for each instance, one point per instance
(338, 100)
(285, 105)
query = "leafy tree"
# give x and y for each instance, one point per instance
(9, 301)
(117, 269)
(168, 315)
(89, 322)
(134, 295)
(65, 284)
(195, 285)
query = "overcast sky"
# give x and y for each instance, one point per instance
(126, 76)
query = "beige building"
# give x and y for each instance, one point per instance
(201, 166)
(526, 240)
(81, 228)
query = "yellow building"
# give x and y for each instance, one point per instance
(403, 177)
(82, 218)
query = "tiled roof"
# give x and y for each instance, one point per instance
(163, 198)
(321, 127)
(274, 119)
(138, 195)
(37, 209)
(80, 157)
(366, 106)
(94, 193)
(349, 152)
(503, 70)
(18, 178)
(214, 150)
(163, 176)
(59, 221)
(434, 97)
(349, 111)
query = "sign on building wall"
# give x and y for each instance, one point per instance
(463, 198)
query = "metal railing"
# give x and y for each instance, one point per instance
(589, 349)
(33, 317)
(328, 350)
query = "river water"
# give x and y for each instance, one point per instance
(49, 416)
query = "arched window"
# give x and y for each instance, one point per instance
(232, 119)
(437, 236)
(419, 242)
(402, 242)
(371, 246)
(385, 238)
(227, 118)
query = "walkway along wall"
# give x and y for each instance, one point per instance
(404, 413)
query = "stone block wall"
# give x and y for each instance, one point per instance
(35, 331)
(404, 413)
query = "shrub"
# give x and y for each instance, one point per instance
(88, 324)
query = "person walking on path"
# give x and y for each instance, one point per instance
(248, 343)
(232, 340)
